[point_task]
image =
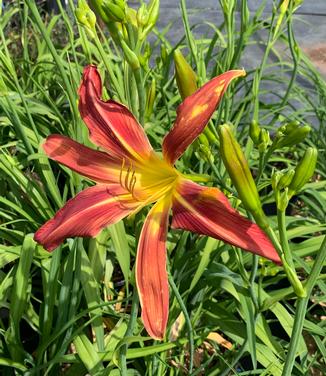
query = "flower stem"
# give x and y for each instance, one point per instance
(283, 237)
(129, 332)
(188, 322)
(301, 310)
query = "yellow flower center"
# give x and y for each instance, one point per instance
(149, 180)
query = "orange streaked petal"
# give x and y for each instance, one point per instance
(111, 125)
(194, 113)
(151, 275)
(207, 211)
(86, 214)
(93, 164)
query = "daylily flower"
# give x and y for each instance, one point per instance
(130, 175)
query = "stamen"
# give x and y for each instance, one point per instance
(121, 170)
(129, 181)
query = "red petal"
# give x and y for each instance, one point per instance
(151, 275)
(194, 113)
(111, 125)
(85, 215)
(207, 211)
(94, 164)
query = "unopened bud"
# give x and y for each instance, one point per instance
(115, 10)
(264, 140)
(290, 135)
(147, 17)
(131, 16)
(153, 12)
(299, 290)
(86, 17)
(254, 132)
(130, 56)
(303, 171)
(185, 76)
(276, 177)
(282, 200)
(238, 169)
(283, 6)
(204, 151)
(142, 16)
(286, 178)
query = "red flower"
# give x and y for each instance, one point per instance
(130, 175)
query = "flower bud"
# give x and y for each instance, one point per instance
(131, 17)
(283, 6)
(130, 56)
(142, 16)
(290, 135)
(86, 17)
(276, 177)
(254, 132)
(115, 10)
(147, 17)
(153, 12)
(286, 178)
(299, 290)
(264, 140)
(303, 171)
(186, 78)
(282, 199)
(204, 150)
(238, 169)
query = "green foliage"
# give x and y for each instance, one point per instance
(71, 312)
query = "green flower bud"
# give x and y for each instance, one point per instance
(283, 6)
(299, 290)
(238, 169)
(131, 15)
(142, 16)
(303, 171)
(254, 132)
(264, 140)
(97, 6)
(151, 94)
(276, 177)
(286, 178)
(147, 17)
(282, 200)
(130, 56)
(153, 12)
(186, 78)
(115, 10)
(86, 17)
(204, 150)
(290, 127)
(290, 135)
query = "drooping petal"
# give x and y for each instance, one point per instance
(151, 275)
(207, 211)
(111, 125)
(194, 113)
(93, 164)
(86, 214)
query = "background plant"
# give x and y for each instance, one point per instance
(230, 313)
